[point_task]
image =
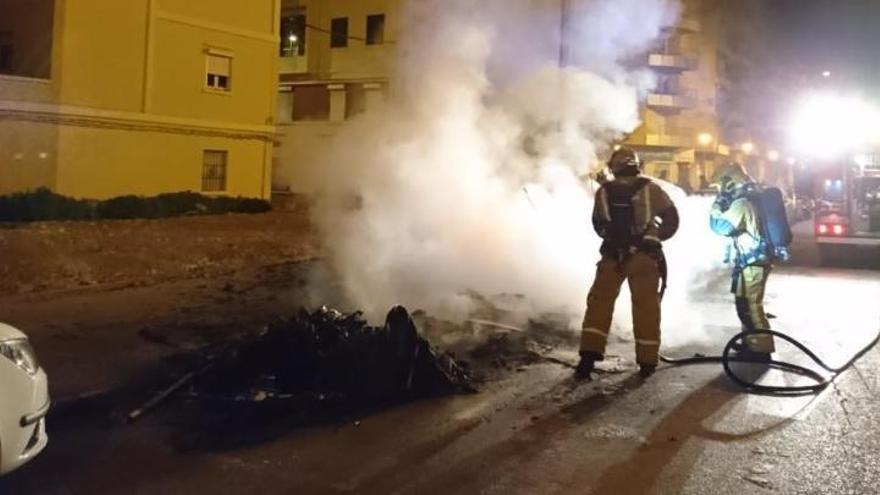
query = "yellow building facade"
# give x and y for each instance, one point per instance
(101, 98)
(679, 138)
(322, 83)
(326, 78)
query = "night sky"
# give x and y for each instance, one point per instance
(784, 46)
(842, 36)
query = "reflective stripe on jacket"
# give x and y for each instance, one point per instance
(741, 224)
(649, 203)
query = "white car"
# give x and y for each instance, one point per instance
(24, 401)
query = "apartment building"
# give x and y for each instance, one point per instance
(679, 139)
(101, 98)
(336, 60)
(337, 57)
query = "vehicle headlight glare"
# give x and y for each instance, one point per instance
(21, 354)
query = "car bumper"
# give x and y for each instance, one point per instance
(35, 417)
(849, 241)
(22, 422)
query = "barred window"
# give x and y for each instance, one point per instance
(293, 32)
(214, 164)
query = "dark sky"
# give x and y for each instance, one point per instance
(838, 35)
(787, 45)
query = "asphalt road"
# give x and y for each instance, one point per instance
(685, 430)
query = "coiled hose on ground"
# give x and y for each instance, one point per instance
(738, 341)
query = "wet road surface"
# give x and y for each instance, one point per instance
(685, 430)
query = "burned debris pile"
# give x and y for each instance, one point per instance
(329, 356)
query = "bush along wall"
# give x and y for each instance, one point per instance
(45, 205)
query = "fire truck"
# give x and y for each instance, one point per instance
(848, 214)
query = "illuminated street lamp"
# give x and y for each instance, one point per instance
(748, 147)
(705, 139)
(826, 74)
(293, 39)
(773, 155)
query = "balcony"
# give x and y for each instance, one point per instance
(681, 100)
(293, 65)
(689, 24)
(674, 62)
(669, 140)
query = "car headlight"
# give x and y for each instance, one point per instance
(21, 353)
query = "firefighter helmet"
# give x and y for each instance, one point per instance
(625, 162)
(731, 177)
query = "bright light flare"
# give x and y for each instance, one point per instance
(747, 147)
(705, 139)
(828, 124)
(773, 155)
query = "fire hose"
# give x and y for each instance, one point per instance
(738, 340)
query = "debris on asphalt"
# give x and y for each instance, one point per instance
(759, 481)
(761, 469)
(328, 355)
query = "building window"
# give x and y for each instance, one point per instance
(376, 29)
(355, 100)
(6, 51)
(218, 72)
(667, 84)
(293, 32)
(284, 110)
(214, 164)
(26, 29)
(311, 103)
(339, 32)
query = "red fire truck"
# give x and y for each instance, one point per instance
(848, 215)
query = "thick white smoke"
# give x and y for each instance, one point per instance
(470, 179)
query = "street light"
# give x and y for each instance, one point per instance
(293, 38)
(773, 155)
(748, 147)
(826, 74)
(705, 139)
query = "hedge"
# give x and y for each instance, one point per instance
(45, 205)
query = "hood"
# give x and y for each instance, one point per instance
(9, 333)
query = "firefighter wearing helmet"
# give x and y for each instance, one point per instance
(734, 215)
(632, 215)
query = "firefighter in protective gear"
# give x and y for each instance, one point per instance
(632, 215)
(734, 216)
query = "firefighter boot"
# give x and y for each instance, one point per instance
(646, 370)
(754, 356)
(587, 364)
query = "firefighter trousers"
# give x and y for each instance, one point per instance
(643, 274)
(748, 288)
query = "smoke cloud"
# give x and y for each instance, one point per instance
(470, 179)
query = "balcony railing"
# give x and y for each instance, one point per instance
(293, 65)
(689, 24)
(669, 140)
(665, 61)
(681, 100)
